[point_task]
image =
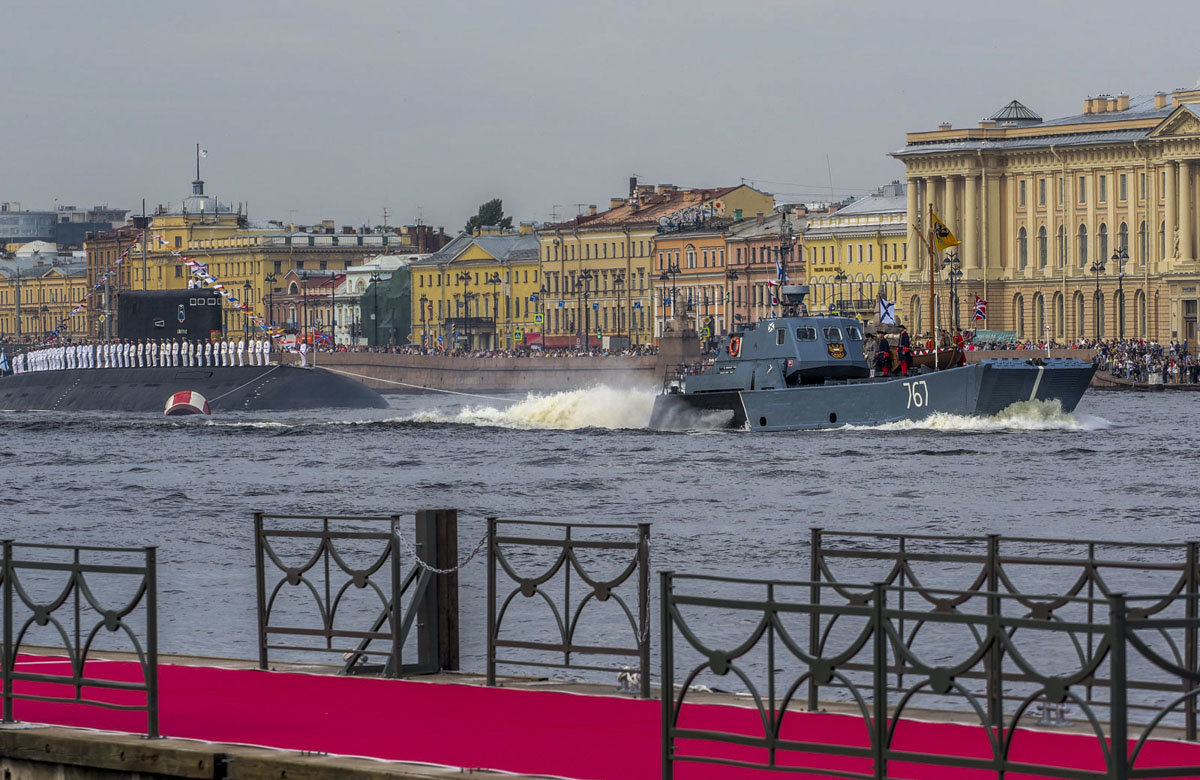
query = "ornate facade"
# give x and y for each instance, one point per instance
(1079, 227)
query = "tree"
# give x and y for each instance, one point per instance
(490, 213)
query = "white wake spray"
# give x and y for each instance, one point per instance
(596, 407)
(1022, 416)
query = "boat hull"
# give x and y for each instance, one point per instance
(227, 388)
(982, 389)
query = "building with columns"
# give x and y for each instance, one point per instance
(1072, 228)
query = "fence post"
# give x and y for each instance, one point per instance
(1190, 638)
(261, 580)
(491, 601)
(814, 619)
(6, 574)
(152, 643)
(879, 678)
(667, 675)
(447, 588)
(429, 622)
(397, 607)
(995, 656)
(1118, 715)
(643, 638)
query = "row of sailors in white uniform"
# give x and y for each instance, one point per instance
(129, 353)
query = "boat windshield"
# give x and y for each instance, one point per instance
(853, 333)
(833, 334)
(806, 334)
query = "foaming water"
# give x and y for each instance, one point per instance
(595, 407)
(1022, 416)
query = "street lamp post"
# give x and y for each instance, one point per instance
(669, 275)
(494, 281)
(585, 278)
(333, 310)
(375, 278)
(246, 310)
(839, 278)
(270, 280)
(731, 276)
(954, 276)
(1097, 268)
(465, 278)
(618, 282)
(424, 330)
(1119, 257)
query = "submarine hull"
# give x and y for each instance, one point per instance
(227, 388)
(984, 389)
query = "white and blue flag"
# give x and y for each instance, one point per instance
(4, 367)
(887, 312)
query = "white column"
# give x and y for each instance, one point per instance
(1171, 211)
(972, 255)
(1186, 213)
(913, 217)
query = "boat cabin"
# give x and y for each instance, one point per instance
(788, 351)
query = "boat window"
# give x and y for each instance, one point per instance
(806, 334)
(853, 333)
(779, 337)
(833, 334)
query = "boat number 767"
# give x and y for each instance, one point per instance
(918, 393)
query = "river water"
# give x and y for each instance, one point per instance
(731, 503)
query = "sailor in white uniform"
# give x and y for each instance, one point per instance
(241, 351)
(208, 353)
(303, 354)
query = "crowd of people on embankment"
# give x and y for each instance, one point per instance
(1141, 359)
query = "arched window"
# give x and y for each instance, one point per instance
(1098, 313)
(1039, 316)
(1139, 304)
(1022, 249)
(1143, 250)
(1019, 315)
(1102, 242)
(1041, 247)
(1060, 249)
(1083, 246)
(1123, 237)
(1080, 315)
(1162, 240)
(1060, 316)
(690, 256)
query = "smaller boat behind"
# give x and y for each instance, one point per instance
(799, 372)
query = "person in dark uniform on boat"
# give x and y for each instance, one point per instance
(883, 357)
(905, 351)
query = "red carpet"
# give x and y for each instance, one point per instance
(519, 731)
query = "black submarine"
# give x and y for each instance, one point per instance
(174, 315)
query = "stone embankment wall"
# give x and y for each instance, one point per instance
(974, 356)
(391, 373)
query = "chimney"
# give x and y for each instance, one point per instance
(1160, 100)
(760, 217)
(1110, 104)
(1122, 102)
(944, 126)
(987, 124)
(632, 186)
(616, 202)
(666, 188)
(592, 210)
(1087, 106)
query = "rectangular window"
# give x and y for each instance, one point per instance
(1060, 190)
(1021, 193)
(1041, 192)
(1124, 189)
(1083, 189)
(1102, 190)
(1142, 193)
(870, 252)
(178, 242)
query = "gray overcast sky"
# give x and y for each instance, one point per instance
(315, 110)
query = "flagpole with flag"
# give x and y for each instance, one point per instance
(942, 239)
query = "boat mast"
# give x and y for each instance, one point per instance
(932, 323)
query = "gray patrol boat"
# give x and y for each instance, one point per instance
(799, 372)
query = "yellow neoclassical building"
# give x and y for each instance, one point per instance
(38, 293)
(602, 272)
(858, 253)
(249, 259)
(1071, 228)
(479, 291)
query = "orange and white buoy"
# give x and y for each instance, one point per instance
(186, 402)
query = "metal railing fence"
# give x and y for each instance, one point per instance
(565, 611)
(76, 604)
(326, 576)
(876, 656)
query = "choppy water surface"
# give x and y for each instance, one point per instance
(720, 502)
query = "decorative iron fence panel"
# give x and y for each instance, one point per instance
(566, 614)
(879, 654)
(1066, 568)
(88, 618)
(326, 576)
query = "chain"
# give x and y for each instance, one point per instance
(410, 551)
